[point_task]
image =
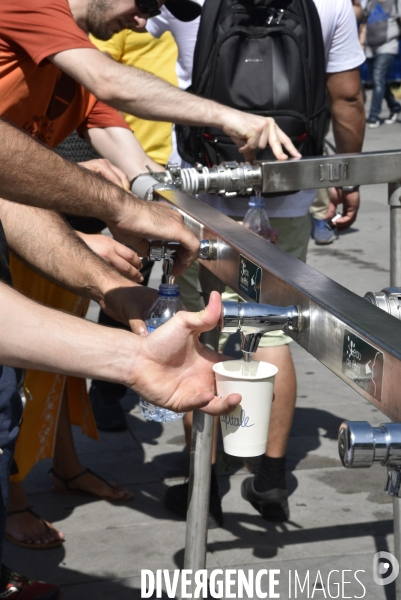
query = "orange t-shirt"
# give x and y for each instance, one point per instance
(35, 94)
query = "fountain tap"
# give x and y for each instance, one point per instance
(168, 251)
(253, 320)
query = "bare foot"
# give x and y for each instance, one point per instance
(89, 483)
(25, 527)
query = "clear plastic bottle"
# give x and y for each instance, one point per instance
(256, 218)
(165, 307)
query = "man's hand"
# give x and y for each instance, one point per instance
(350, 202)
(250, 132)
(129, 304)
(136, 225)
(174, 370)
(122, 258)
(109, 171)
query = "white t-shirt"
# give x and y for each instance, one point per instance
(185, 35)
(342, 53)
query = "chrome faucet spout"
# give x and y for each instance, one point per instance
(253, 320)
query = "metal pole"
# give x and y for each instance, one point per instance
(201, 457)
(394, 200)
(397, 540)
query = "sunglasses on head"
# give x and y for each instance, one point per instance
(149, 8)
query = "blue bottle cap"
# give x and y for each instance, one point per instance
(169, 289)
(256, 202)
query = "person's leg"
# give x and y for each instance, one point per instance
(285, 391)
(266, 490)
(379, 69)
(10, 416)
(69, 473)
(11, 584)
(392, 103)
(23, 526)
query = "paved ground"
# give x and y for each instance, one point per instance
(339, 519)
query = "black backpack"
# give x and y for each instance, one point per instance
(264, 57)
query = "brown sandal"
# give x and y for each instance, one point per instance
(49, 546)
(69, 490)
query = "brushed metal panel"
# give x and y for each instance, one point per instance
(327, 307)
(326, 171)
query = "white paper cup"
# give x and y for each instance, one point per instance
(245, 429)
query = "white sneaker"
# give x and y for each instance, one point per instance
(373, 124)
(393, 118)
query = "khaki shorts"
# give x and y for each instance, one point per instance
(294, 234)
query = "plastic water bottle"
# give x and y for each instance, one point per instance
(256, 218)
(166, 306)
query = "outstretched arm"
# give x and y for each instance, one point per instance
(144, 95)
(37, 337)
(43, 240)
(32, 174)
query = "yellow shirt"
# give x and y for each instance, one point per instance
(157, 56)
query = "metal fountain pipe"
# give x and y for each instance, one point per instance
(227, 179)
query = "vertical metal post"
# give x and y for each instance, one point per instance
(397, 541)
(394, 200)
(201, 457)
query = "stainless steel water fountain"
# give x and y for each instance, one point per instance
(357, 342)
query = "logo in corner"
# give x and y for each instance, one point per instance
(385, 568)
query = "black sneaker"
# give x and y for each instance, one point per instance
(107, 410)
(272, 505)
(176, 500)
(17, 587)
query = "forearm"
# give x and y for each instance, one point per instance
(347, 110)
(149, 97)
(34, 175)
(42, 239)
(137, 92)
(36, 337)
(122, 148)
(348, 126)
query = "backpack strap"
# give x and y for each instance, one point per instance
(208, 22)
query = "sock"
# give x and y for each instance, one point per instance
(270, 475)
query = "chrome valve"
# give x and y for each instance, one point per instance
(227, 179)
(253, 320)
(389, 299)
(162, 250)
(360, 445)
